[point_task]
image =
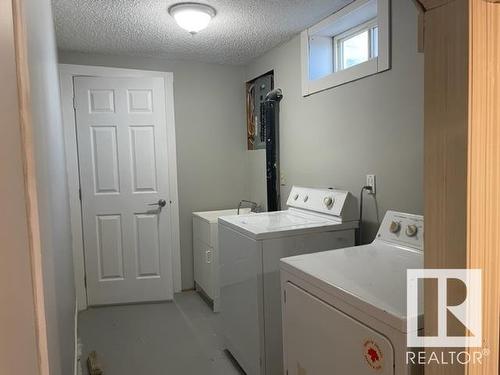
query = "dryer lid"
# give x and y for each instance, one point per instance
(370, 277)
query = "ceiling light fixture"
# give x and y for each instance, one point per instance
(192, 17)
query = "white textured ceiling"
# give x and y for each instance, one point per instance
(241, 30)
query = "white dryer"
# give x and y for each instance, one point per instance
(250, 249)
(344, 311)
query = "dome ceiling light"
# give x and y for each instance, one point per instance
(192, 17)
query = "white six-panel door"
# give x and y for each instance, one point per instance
(122, 149)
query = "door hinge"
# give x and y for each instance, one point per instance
(80, 194)
(74, 102)
(85, 281)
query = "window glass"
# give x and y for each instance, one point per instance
(355, 49)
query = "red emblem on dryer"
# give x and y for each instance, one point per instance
(373, 355)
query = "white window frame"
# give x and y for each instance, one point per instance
(339, 77)
(340, 38)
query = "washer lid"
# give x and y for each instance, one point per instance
(282, 223)
(371, 277)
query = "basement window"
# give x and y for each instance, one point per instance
(356, 46)
(350, 44)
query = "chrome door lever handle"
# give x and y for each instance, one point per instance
(161, 203)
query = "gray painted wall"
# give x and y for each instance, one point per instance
(52, 188)
(333, 138)
(336, 137)
(210, 131)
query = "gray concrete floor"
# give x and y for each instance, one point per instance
(172, 338)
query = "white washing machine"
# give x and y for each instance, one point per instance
(250, 248)
(344, 311)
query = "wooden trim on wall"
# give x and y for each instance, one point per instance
(483, 224)
(29, 171)
(445, 154)
(462, 161)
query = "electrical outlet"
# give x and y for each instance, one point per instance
(370, 181)
(283, 179)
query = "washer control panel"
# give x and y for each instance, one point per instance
(402, 229)
(326, 201)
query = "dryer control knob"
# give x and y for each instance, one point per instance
(395, 227)
(295, 197)
(306, 198)
(411, 230)
(328, 202)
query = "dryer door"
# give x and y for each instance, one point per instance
(321, 340)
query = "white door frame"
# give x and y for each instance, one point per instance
(66, 74)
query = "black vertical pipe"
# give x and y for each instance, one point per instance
(271, 117)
